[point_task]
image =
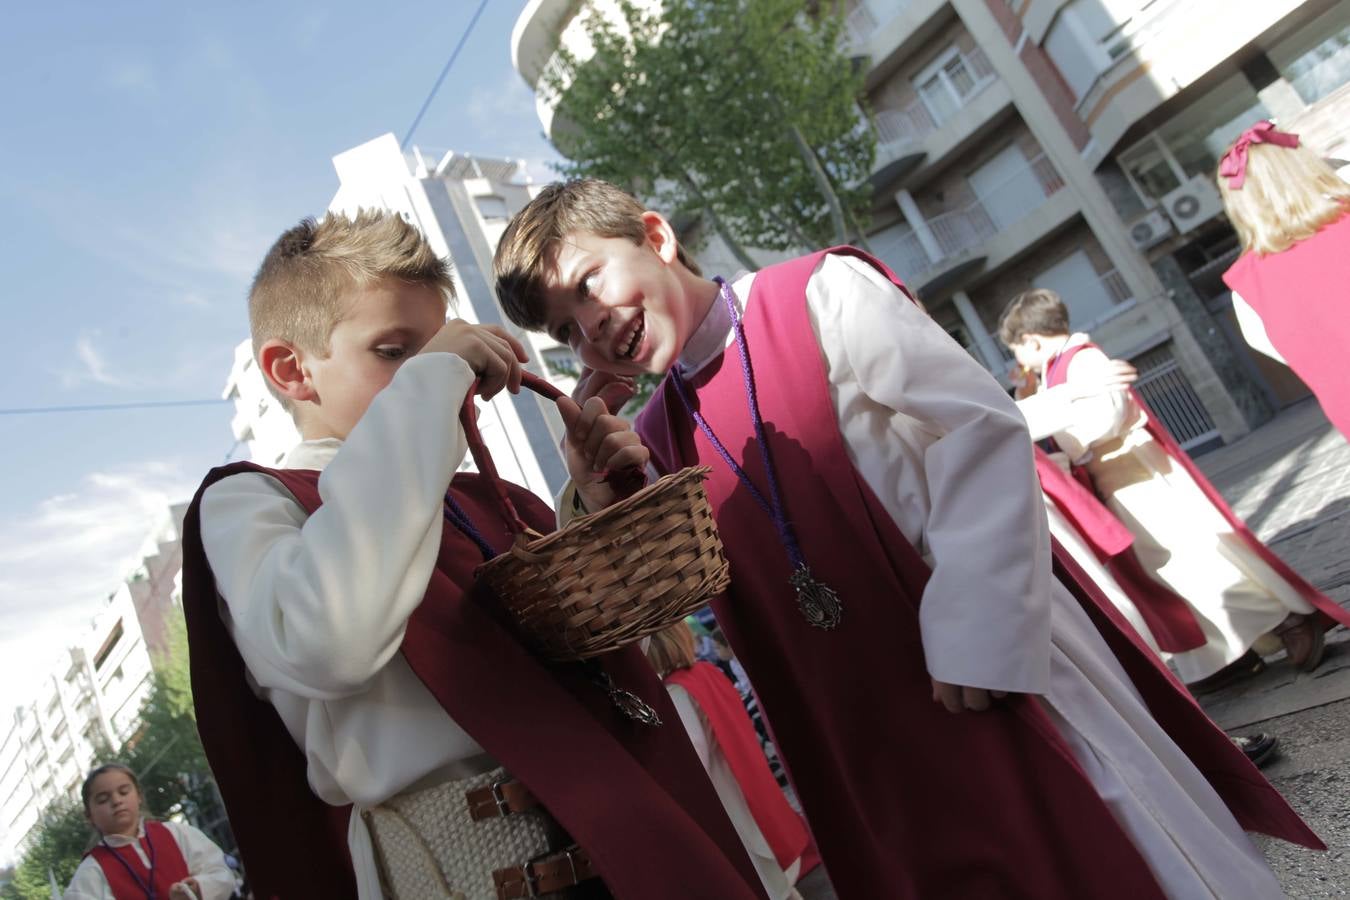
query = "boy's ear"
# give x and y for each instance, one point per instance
(283, 365)
(661, 236)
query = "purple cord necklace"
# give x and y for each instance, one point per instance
(150, 851)
(819, 604)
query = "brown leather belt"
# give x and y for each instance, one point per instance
(544, 874)
(500, 799)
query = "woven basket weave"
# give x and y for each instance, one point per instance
(612, 577)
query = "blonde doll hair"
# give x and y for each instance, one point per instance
(1289, 194)
(671, 649)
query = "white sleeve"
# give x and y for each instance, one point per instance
(318, 604)
(1253, 329)
(692, 719)
(205, 861)
(1046, 412)
(88, 883)
(1096, 417)
(985, 614)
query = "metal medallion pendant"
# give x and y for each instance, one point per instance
(626, 702)
(819, 604)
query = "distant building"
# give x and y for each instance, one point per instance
(462, 204)
(92, 697)
(1071, 144)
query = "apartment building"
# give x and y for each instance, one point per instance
(462, 204)
(1070, 144)
(93, 694)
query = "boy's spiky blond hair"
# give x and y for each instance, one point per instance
(1037, 311)
(527, 251)
(297, 294)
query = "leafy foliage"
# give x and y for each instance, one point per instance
(743, 111)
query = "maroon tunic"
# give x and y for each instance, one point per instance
(905, 800)
(1168, 617)
(1057, 372)
(635, 797)
(128, 877)
(1303, 298)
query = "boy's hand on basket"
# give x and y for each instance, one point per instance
(488, 349)
(597, 444)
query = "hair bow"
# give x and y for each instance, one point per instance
(1233, 166)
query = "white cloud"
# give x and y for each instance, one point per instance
(94, 367)
(61, 559)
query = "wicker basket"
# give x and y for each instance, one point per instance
(612, 577)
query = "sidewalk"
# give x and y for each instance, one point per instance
(1290, 480)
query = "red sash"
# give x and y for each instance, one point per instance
(1331, 612)
(128, 877)
(735, 734)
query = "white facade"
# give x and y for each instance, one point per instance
(462, 205)
(93, 693)
(94, 697)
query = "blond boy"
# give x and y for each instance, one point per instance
(357, 692)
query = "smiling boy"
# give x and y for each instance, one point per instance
(954, 722)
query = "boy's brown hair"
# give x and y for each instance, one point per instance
(1038, 311)
(296, 295)
(527, 251)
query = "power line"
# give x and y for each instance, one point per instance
(454, 54)
(103, 407)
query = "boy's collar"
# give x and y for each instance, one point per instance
(712, 335)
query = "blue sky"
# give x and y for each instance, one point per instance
(151, 153)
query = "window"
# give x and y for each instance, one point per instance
(106, 650)
(1088, 35)
(492, 208)
(1007, 187)
(1080, 287)
(951, 80)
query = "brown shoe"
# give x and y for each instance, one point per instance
(1304, 639)
(1244, 666)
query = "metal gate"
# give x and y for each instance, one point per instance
(1165, 389)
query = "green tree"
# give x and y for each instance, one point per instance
(166, 755)
(61, 837)
(746, 112)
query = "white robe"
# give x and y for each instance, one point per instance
(946, 452)
(204, 859)
(1180, 538)
(777, 882)
(296, 587)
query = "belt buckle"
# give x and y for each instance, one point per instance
(532, 880)
(503, 805)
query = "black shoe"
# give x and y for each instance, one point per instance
(1259, 747)
(1244, 666)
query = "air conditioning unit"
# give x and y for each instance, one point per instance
(1150, 230)
(1195, 202)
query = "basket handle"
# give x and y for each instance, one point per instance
(468, 417)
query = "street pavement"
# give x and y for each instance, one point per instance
(1290, 480)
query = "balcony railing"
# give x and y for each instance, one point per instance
(962, 230)
(898, 126)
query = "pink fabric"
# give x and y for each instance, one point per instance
(715, 695)
(1233, 166)
(1303, 298)
(905, 800)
